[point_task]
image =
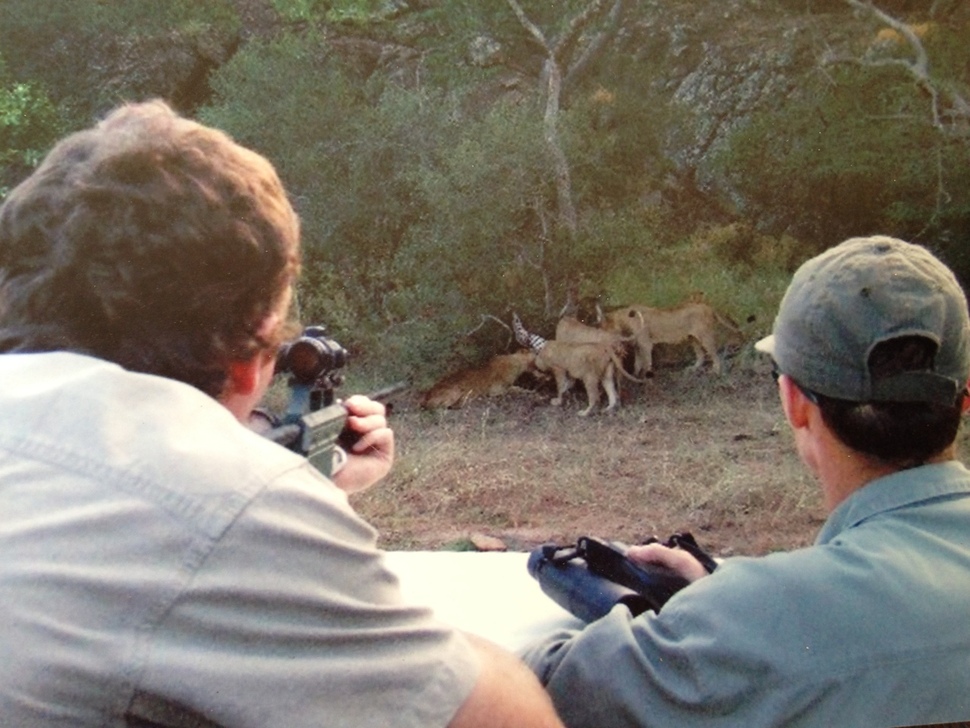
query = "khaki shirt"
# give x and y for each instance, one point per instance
(161, 564)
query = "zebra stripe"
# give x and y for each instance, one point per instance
(532, 341)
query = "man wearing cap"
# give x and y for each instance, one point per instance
(870, 626)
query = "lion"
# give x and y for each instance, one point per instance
(696, 322)
(595, 365)
(570, 328)
(493, 378)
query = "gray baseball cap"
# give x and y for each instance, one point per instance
(842, 303)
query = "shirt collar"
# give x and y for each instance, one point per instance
(907, 487)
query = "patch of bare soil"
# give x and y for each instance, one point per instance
(686, 452)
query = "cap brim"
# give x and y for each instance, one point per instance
(766, 345)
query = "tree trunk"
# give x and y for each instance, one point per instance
(564, 187)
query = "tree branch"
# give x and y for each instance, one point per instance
(921, 65)
(563, 47)
(531, 27)
(918, 67)
(485, 318)
(551, 84)
(596, 45)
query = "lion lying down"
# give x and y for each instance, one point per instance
(495, 377)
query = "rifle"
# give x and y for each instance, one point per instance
(314, 423)
(592, 577)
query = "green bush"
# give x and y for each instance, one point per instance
(295, 11)
(69, 47)
(861, 155)
(740, 272)
(413, 221)
(29, 126)
(616, 132)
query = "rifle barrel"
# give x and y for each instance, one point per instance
(384, 392)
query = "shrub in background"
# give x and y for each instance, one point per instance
(741, 273)
(417, 218)
(29, 126)
(863, 154)
(78, 50)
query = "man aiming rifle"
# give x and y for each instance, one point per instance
(163, 564)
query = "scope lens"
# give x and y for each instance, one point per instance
(308, 359)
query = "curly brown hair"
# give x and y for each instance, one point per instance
(148, 240)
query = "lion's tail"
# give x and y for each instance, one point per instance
(727, 322)
(618, 363)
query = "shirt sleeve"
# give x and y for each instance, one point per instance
(712, 657)
(294, 619)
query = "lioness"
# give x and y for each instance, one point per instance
(491, 379)
(595, 365)
(695, 321)
(570, 328)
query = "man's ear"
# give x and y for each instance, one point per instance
(794, 402)
(965, 402)
(243, 376)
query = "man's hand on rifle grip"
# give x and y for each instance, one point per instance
(675, 559)
(370, 457)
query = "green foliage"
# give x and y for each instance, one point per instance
(360, 13)
(64, 46)
(296, 11)
(449, 29)
(478, 190)
(860, 154)
(292, 123)
(414, 224)
(737, 270)
(462, 249)
(29, 126)
(48, 18)
(616, 134)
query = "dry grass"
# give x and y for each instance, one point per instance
(689, 451)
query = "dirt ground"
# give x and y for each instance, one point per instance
(688, 451)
